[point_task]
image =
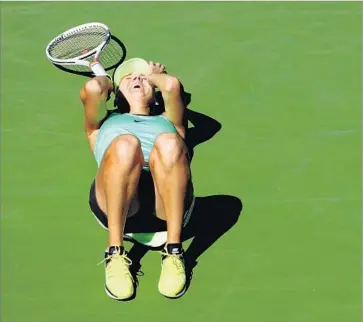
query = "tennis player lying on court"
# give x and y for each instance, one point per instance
(124, 146)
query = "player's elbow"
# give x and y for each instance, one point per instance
(172, 85)
(93, 87)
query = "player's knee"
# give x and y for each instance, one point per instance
(125, 148)
(170, 147)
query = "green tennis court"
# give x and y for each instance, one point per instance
(284, 81)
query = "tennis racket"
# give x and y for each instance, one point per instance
(83, 50)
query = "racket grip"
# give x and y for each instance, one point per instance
(98, 69)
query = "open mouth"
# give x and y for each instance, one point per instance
(136, 86)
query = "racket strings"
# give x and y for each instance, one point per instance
(82, 43)
(111, 54)
(77, 43)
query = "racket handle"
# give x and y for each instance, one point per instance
(98, 70)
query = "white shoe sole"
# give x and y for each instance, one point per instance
(115, 297)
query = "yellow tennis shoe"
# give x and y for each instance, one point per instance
(172, 282)
(119, 283)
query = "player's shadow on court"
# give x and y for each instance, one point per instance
(212, 216)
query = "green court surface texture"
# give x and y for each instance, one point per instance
(284, 81)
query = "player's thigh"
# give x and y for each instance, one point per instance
(100, 185)
(101, 198)
(159, 205)
(188, 201)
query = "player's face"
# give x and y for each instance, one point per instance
(136, 86)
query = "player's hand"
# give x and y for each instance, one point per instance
(156, 68)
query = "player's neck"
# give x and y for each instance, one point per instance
(139, 108)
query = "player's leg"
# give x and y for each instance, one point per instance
(169, 167)
(189, 202)
(116, 185)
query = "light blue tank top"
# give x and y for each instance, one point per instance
(145, 128)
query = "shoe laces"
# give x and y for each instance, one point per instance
(117, 263)
(176, 259)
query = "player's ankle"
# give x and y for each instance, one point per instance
(114, 247)
(174, 248)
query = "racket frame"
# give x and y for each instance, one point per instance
(80, 60)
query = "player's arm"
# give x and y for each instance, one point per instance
(170, 88)
(93, 94)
